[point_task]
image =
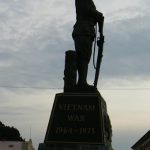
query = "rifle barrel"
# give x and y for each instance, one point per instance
(100, 43)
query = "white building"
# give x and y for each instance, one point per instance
(16, 145)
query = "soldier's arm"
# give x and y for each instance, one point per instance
(95, 14)
(91, 10)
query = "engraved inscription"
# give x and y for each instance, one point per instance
(78, 114)
(76, 118)
(81, 131)
(77, 107)
(87, 130)
(63, 130)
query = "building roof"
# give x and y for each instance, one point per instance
(141, 140)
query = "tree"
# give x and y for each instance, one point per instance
(9, 133)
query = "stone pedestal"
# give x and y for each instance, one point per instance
(78, 122)
(68, 146)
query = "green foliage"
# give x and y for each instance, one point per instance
(9, 133)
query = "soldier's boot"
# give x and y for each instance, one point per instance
(82, 80)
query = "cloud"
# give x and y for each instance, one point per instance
(33, 41)
(126, 51)
(35, 36)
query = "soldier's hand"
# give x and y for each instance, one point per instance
(100, 41)
(101, 14)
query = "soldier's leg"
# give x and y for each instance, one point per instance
(83, 46)
(82, 72)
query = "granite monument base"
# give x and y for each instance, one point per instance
(78, 121)
(72, 147)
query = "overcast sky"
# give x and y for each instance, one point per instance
(34, 36)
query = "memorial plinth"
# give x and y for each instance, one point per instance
(77, 121)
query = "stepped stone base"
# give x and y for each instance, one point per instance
(72, 147)
(78, 121)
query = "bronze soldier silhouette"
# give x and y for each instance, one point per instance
(83, 34)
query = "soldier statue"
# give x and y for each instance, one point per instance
(83, 35)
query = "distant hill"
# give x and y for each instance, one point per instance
(9, 133)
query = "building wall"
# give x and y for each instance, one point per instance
(27, 145)
(8, 145)
(16, 145)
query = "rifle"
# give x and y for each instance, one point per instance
(100, 43)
